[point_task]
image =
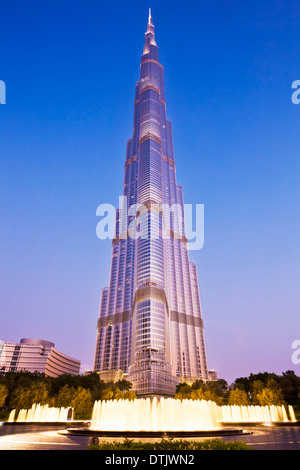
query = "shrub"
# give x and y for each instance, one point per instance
(170, 444)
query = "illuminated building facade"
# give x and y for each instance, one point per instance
(150, 323)
(36, 355)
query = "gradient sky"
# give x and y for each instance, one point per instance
(70, 69)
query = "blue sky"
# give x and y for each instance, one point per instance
(70, 69)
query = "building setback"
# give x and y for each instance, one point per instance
(36, 355)
(150, 323)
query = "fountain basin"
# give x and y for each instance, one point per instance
(153, 434)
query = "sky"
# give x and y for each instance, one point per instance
(70, 69)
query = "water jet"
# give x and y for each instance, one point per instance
(40, 414)
(160, 417)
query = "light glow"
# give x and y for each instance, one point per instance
(40, 414)
(169, 414)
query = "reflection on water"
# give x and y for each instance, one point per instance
(36, 437)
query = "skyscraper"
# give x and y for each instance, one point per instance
(150, 323)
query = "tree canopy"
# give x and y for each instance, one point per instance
(262, 389)
(19, 390)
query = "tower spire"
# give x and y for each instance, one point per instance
(150, 39)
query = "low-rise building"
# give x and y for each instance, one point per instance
(36, 355)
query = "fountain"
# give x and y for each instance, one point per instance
(173, 417)
(155, 415)
(11, 418)
(255, 414)
(292, 414)
(41, 414)
(159, 417)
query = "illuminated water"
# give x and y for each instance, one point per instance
(254, 414)
(169, 414)
(164, 414)
(292, 414)
(39, 414)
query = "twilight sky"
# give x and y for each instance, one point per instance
(70, 69)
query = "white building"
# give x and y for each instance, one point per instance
(36, 355)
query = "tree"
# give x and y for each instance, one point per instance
(64, 397)
(269, 396)
(199, 390)
(97, 390)
(257, 388)
(129, 395)
(118, 395)
(197, 384)
(25, 397)
(197, 394)
(3, 395)
(38, 393)
(107, 394)
(13, 380)
(290, 386)
(124, 385)
(250, 384)
(81, 402)
(219, 387)
(183, 390)
(238, 397)
(20, 398)
(211, 395)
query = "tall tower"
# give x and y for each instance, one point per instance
(150, 324)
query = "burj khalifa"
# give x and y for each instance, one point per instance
(150, 322)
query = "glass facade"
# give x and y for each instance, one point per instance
(150, 323)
